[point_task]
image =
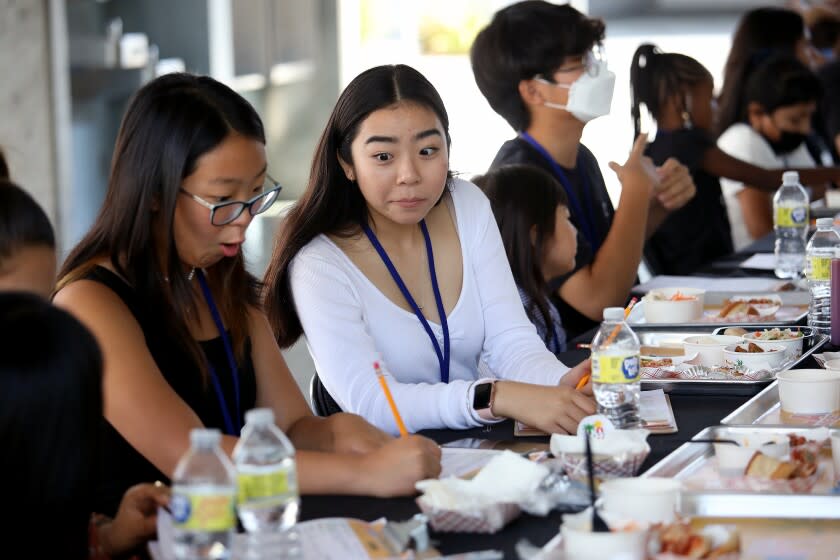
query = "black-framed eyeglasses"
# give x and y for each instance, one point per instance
(224, 213)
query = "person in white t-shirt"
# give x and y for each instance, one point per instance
(779, 101)
(387, 258)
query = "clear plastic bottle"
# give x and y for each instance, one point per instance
(822, 247)
(268, 492)
(615, 370)
(203, 500)
(790, 222)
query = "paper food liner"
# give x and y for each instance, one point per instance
(755, 484)
(604, 466)
(486, 519)
(669, 556)
(704, 373)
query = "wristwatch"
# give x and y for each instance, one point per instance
(483, 400)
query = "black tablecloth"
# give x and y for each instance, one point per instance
(693, 413)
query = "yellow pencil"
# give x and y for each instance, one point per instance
(391, 403)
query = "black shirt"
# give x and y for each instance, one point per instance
(122, 466)
(591, 190)
(699, 232)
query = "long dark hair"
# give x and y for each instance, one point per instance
(332, 203)
(655, 76)
(169, 124)
(50, 416)
(524, 197)
(760, 34)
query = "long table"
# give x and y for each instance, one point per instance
(692, 413)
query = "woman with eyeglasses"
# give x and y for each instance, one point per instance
(160, 281)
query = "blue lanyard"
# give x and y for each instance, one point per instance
(587, 221)
(231, 429)
(443, 357)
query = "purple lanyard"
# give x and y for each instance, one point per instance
(587, 221)
(231, 429)
(443, 357)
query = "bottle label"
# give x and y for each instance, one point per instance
(791, 216)
(209, 510)
(819, 268)
(615, 368)
(257, 483)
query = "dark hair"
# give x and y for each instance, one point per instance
(779, 82)
(523, 197)
(524, 40)
(655, 76)
(825, 31)
(761, 33)
(23, 222)
(50, 418)
(332, 203)
(4, 167)
(169, 124)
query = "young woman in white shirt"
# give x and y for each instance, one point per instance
(387, 257)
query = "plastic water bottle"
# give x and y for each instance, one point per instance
(615, 370)
(822, 247)
(268, 492)
(790, 221)
(203, 500)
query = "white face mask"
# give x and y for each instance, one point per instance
(590, 96)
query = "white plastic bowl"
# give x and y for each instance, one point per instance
(668, 311)
(580, 543)
(649, 499)
(772, 358)
(709, 347)
(793, 346)
(809, 391)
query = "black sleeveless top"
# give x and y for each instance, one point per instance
(121, 465)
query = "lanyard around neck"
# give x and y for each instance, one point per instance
(443, 357)
(587, 221)
(231, 428)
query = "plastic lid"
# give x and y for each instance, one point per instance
(825, 222)
(202, 437)
(259, 416)
(790, 178)
(613, 314)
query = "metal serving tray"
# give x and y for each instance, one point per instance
(731, 387)
(765, 409)
(689, 458)
(793, 310)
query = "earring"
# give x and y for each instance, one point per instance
(685, 115)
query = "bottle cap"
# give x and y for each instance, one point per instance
(260, 416)
(202, 437)
(825, 222)
(613, 314)
(790, 178)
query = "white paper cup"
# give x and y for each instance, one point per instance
(835, 453)
(667, 311)
(709, 347)
(580, 543)
(654, 500)
(809, 391)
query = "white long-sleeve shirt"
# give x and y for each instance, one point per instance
(349, 324)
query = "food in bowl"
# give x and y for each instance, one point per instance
(673, 305)
(752, 357)
(791, 339)
(712, 541)
(750, 348)
(732, 459)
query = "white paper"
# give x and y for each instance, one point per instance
(743, 284)
(456, 461)
(760, 261)
(653, 408)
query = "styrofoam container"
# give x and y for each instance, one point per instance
(650, 499)
(709, 347)
(772, 358)
(580, 543)
(667, 311)
(809, 391)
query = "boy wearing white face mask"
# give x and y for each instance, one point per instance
(541, 67)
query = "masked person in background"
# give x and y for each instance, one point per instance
(541, 67)
(780, 98)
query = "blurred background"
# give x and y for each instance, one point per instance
(69, 67)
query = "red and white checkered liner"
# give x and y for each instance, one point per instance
(687, 371)
(605, 467)
(487, 519)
